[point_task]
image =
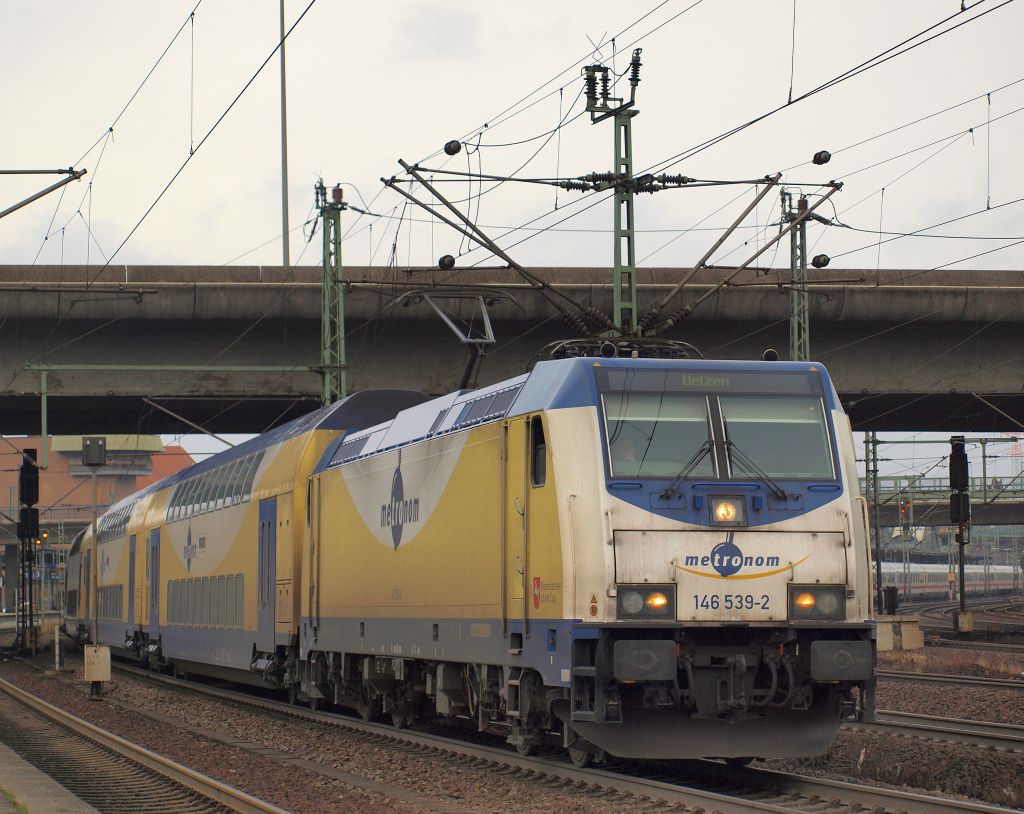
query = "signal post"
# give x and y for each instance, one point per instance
(960, 514)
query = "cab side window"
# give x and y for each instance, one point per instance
(538, 452)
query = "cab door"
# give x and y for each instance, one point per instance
(515, 524)
(86, 614)
(313, 566)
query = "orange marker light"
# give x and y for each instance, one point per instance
(805, 601)
(725, 512)
(657, 601)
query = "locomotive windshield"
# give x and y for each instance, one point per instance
(783, 436)
(652, 436)
(728, 424)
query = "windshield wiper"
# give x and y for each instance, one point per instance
(748, 463)
(696, 458)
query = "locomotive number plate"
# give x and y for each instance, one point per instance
(731, 602)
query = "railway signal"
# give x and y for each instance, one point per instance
(960, 514)
(28, 530)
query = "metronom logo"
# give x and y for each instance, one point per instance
(727, 561)
(398, 511)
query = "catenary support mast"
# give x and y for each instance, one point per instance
(332, 318)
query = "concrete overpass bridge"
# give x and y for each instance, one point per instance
(235, 348)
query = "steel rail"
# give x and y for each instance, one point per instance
(196, 781)
(995, 647)
(944, 679)
(606, 780)
(868, 796)
(957, 730)
(813, 788)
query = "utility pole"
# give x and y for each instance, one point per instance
(286, 262)
(332, 316)
(602, 105)
(799, 311)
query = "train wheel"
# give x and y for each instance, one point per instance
(400, 718)
(527, 749)
(316, 704)
(528, 738)
(582, 758)
(369, 709)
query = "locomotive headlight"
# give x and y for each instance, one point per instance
(829, 603)
(632, 603)
(646, 601)
(727, 511)
(817, 602)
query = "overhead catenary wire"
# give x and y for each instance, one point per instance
(879, 59)
(792, 56)
(166, 187)
(511, 110)
(918, 232)
(898, 49)
(108, 132)
(905, 125)
(202, 141)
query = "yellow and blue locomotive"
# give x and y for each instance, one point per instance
(646, 557)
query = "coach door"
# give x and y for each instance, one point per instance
(154, 577)
(86, 577)
(131, 580)
(266, 581)
(515, 525)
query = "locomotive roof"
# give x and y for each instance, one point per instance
(550, 385)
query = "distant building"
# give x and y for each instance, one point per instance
(65, 497)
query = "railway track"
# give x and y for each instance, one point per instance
(992, 616)
(704, 785)
(107, 771)
(958, 730)
(944, 679)
(992, 647)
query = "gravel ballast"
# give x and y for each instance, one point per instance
(373, 777)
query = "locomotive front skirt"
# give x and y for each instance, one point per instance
(649, 558)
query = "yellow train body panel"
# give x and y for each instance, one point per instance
(440, 550)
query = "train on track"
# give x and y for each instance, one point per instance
(643, 557)
(940, 580)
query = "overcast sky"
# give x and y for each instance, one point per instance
(368, 84)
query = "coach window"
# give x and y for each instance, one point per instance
(222, 486)
(538, 452)
(231, 488)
